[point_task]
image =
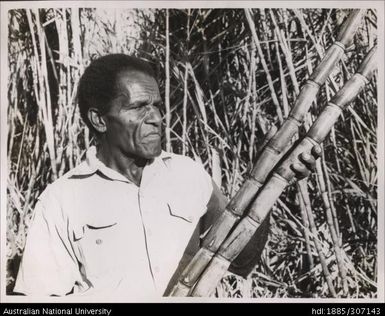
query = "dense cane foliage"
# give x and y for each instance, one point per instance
(222, 96)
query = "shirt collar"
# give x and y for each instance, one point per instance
(92, 164)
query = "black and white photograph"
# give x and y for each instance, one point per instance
(196, 151)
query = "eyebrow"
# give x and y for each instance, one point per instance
(140, 100)
(148, 100)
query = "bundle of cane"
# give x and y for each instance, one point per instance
(281, 177)
(272, 153)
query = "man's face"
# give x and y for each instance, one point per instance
(133, 121)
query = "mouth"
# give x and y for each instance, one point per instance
(153, 135)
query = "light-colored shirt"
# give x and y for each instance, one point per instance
(94, 232)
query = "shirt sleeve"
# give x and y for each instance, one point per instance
(48, 265)
(204, 187)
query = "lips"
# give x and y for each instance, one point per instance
(152, 136)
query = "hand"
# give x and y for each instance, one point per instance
(307, 163)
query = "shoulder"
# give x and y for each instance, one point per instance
(188, 182)
(60, 189)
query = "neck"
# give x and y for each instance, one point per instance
(129, 166)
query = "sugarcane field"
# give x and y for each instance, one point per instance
(278, 106)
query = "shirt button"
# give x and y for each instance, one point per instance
(99, 241)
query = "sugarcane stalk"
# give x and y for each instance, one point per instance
(281, 178)
(264, 64)
(253, 95)
(269, 157)
(304, 207)
(167, 85)
(305, 223)
(304, 196)
(332, 228)
(329, 194)
(43, 97)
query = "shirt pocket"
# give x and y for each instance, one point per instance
(182, 203)
(181, 229)
(178, 212)
(182, 224)
(99, 244)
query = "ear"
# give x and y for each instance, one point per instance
(97, 120)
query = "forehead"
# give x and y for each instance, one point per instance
(137, 84)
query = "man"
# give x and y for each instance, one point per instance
(122, 223)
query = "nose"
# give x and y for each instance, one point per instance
(153, 115)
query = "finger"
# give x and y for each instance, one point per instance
(300, 170)
(316, 151)
(308, 160)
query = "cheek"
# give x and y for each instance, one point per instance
(122, 129)
(138, 125)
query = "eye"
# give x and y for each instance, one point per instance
(158, 105)
(136, 106)
(133, 106)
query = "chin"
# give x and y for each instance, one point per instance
(153, 154)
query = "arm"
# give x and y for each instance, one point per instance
(48, 266)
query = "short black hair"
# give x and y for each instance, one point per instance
(97, 86)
